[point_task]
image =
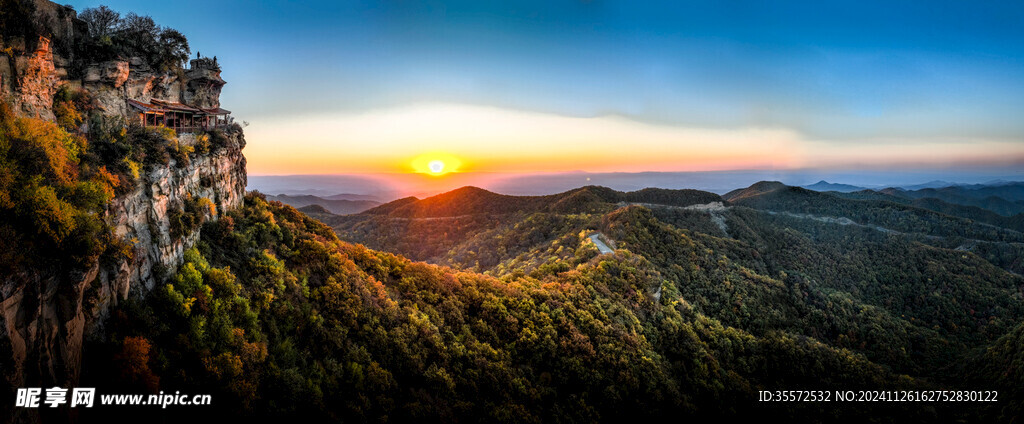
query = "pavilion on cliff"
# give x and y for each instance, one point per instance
(180, 117)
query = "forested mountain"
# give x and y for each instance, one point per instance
(440, 227)
(704, 302)
(273, 314)
(914, 290)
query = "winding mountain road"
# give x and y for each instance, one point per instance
(601, 247)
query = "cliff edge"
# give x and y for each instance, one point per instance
(47, 310)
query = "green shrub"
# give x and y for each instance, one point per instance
(70, 107)
(218, 140)
(192, 213)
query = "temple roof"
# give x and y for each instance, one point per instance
(164, 106)
(145, 107)
(176, 106)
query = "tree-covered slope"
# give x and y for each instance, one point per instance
(975, 213)
(274, 314)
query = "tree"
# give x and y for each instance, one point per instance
(15, 16)
(138, 25)
(137, 36)
(134, 360)
(174, 49)
(102, 21)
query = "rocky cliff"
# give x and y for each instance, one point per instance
(37, 61)
(45, 314)
(30, 72)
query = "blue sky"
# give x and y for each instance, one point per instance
(846, 73)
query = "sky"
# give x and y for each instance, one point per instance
(350, 87)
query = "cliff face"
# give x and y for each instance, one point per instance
(143, 215)
(30, 71)
(45, 314)
(29, 76)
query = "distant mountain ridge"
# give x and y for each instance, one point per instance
(335, 206)
(350, 196)
(474, 200)
(827, 186)
(930, 184)
(869, 205)
(1004, 198)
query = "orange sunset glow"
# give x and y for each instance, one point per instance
(475, 139)
(483, 139)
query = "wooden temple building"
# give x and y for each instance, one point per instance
(180, 117)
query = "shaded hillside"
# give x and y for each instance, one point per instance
(893, 215)
(463, 201)
(757, 189)
(997, 239)
(351, 196)
(850, 286)
(1014, 222)
(1001, 367)
(315, 211)
(1005, 198)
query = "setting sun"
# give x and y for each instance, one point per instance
(435, 164)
